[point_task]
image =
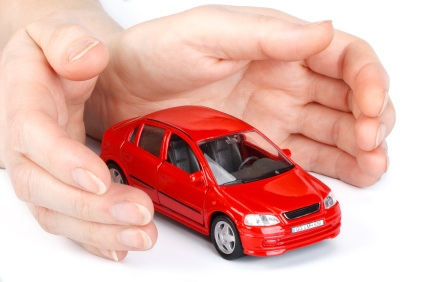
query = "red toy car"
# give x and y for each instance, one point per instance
(223, 178)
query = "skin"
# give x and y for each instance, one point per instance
(318, 91)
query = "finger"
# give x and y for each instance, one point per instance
(336, 94)
(100, 236)
(358, 65)
(23, 56)
(109, 254)
(328, 126)
(372, 131)
(65, 42)
(235, 39)
(76, 55)
(256, 36)
(121, 205)
(38, 137)
(39, 123)
(332, 93)
(362, 170)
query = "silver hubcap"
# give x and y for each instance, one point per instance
(224, 237)
(116, 176)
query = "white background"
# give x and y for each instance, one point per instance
(382, 234)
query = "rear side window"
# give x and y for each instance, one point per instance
(151, 139)
(133, 134)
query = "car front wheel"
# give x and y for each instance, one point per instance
(117, 175)
(225, 238)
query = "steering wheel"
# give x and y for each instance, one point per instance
(246, 161)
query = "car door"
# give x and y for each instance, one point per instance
(142, 158)
(181, 184)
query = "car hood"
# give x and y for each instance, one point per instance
(288, 191)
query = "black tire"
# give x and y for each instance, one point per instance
(117, 174)
(225, 238)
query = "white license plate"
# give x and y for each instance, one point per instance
(307, 226)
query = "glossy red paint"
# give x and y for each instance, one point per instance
(188, 159)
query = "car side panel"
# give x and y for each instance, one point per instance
(141, 167)
(177, 192)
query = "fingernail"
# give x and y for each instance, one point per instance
(135, 238)
(384, 146)
(384, 105)
(88, 181)
(81, 48)
(131, 213)
(313, 24)
(111, 254)
(380, 136)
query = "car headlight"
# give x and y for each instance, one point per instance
(260, 220)
(329, 201)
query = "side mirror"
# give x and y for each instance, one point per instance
(197, 177)
(287, 152)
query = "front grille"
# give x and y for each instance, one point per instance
(302, 211)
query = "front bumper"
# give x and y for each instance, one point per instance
(275, 240)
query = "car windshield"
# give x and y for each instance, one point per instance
(243, 157)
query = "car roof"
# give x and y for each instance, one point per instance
(199, 122)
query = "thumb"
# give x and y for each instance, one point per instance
(76, 56)
(38, 67)
(64, 42)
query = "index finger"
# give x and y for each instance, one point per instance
(248, 33)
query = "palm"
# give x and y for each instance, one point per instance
(266, 93)
(294, 96)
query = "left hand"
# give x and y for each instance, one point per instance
(47, 71)
(321, 92)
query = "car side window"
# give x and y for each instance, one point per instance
(133, 135)
(181, 155)
(151, 139)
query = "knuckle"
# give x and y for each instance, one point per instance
(16, 124)
(65, 31)
(82, 206)
(204, 9)
(13, 49)
(55, 32)
(45, 218)
(23, 179)
(90, 234)
(336, 131)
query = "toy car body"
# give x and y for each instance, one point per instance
(223, 178)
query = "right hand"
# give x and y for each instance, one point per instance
(47, 72)
(318, 91)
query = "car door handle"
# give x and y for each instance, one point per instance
(128, 157)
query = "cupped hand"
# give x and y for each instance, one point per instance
(47, 72)
(318, 91)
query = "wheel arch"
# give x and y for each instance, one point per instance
(217, 213)
(119, 165)
(220, 243)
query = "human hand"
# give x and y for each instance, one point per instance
(47, 72)
(320, 92)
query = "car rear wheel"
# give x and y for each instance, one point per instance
(117, 175)
(225, 238)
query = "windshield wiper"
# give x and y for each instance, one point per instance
(233, 182)
(282, 170)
